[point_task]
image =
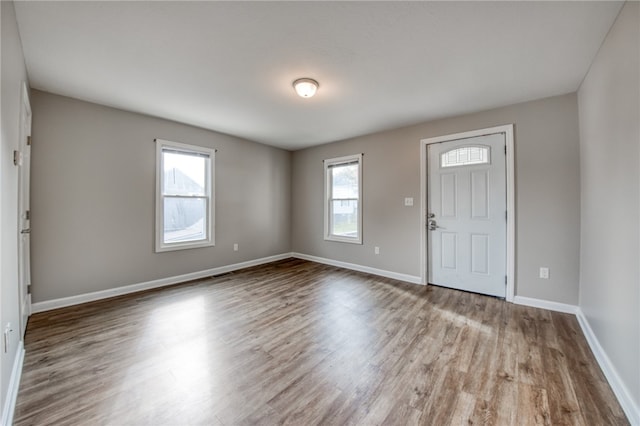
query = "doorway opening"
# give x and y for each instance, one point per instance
(468, 211)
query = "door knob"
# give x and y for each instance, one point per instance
(432, 225)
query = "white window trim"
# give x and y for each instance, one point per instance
(209, 193)
(327, 198)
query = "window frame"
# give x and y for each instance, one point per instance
(328, 198)
(160, 245)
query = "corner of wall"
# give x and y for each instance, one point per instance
(629, 406)
(13, 76)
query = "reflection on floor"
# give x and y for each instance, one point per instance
(295, 342)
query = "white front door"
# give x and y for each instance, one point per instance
(24, 214)
(466, 216)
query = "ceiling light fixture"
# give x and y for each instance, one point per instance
(305, 87)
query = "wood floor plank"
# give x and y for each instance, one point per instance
(533, 406)
(296, 342)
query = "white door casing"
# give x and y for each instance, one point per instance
(464, 253)
(24, 227)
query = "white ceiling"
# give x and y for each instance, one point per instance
(228, 66)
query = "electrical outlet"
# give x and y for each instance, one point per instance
(376, 250)
(5, 337)
(544, 273)
(235, 247)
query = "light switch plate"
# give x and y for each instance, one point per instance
(408, 201)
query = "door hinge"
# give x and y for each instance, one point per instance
(29, 140)
(505, 280)
(29, 289)
(27, 215)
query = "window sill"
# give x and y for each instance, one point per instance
(184, 246)
(343, 239)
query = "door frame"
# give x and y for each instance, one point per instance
(507, 129)
(24, 133)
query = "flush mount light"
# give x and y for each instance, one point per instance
(305, 87)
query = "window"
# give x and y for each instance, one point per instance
(184, 196)
(343, 196)
(465, 156)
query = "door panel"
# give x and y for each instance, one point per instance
(449, 250)
(449, 186)
(479, 195)
(480, 254)
(467, 209)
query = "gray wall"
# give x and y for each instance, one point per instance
(93, 183)
(609, 101)
(13, 75)
(547, 195)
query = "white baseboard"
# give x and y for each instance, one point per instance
(119, 291)
(381, 272)
(625, 399)
(546, 304)
(619, 389)
(14, 384)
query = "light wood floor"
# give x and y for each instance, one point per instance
(301, 343)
